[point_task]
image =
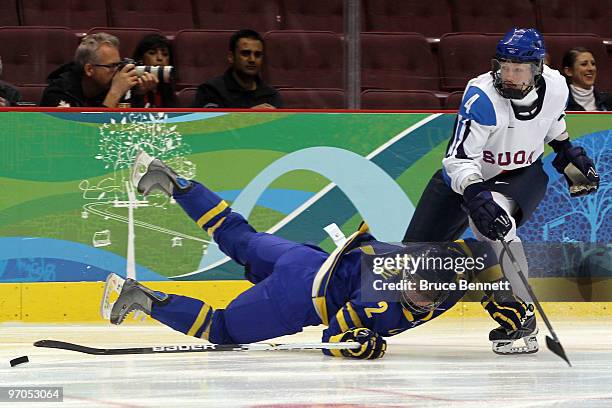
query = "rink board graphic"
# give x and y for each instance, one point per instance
(63, 199)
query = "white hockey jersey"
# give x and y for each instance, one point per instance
(490, 137)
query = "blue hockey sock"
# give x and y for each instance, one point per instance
(185, 314)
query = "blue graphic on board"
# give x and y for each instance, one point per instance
(60, 261)
(561, 218)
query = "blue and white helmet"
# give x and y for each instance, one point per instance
(522, 46)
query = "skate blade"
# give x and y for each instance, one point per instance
(505, 347)
(112, 289)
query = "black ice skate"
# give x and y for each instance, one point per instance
(150, 174)
(503, 340)
(134, 296)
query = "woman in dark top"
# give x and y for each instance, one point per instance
(580, 71)
(155, 50)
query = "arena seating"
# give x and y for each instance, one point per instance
(9, 15)
(430, 18)
(312, 98)
(164, 15)
(30, 54)
(200, 55)
(186, 97)
(405, 45)
(31, 93)
(312, 15)
(453, 100)
(258, 15)
(74, 14)
(497, 16)
(399, 99)
(304, 59)
(463, 56)
(571, 16)
(397, 61)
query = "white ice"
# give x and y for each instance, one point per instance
(445, 363)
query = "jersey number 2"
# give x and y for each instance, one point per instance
(382, 308)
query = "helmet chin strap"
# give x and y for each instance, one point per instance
(528, 99)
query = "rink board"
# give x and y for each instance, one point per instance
(63, 229)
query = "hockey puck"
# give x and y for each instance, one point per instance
(19, 360)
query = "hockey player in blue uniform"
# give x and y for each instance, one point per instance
(492, 176)
(298, 285)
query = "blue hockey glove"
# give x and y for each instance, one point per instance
(372, 345)
(506, 309)
(577, 168)
(490, 219)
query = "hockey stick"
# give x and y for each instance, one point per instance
(553, 343)
(191, 348)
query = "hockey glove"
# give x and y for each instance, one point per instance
(372, 345)
(506, 309)
(490, 219)
(577, 168)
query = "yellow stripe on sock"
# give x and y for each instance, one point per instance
(206, 331)
(212, 213)
(516, 312)
(199, 320)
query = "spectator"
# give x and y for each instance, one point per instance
(9, 95)
(240, 86)
(155, 50)
(96, 77)
(580, 72)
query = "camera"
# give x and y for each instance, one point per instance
(164, 74)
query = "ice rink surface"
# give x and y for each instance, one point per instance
(445, 363)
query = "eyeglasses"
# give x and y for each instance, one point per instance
(114, 65)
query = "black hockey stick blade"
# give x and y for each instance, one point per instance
(556, 347)
(191, 348)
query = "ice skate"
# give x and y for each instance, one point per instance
(134, 296)
(503, 340)
(150, 174)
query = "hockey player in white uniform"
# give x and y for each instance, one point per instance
(492, 176)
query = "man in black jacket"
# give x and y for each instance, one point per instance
(96, 77)
(240, 86)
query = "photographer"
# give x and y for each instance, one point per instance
(155, 50)
(9, 95)
(97, 76)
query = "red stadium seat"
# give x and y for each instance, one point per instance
(397, 61)
(309, 98)
(8, 13)
(464, 56)
(186, 97)
(304, 59)
(453, 100)
(165, 15)
(200, 55)
(313, 15)
(76, 14)
(128, 37)
(399, 99)
(257, 15)
(571, 16)
(29, 54)
(559, 44)
(430, 18)
(495, 16)
(31, 93)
